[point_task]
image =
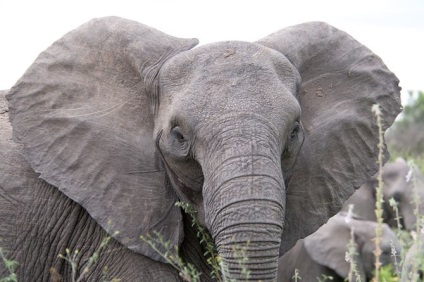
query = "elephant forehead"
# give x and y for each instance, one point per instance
(228, 63)
(229, 76)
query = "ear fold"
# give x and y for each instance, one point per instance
(84, 112)
(329, 244)
(363, 201)
(341, 81)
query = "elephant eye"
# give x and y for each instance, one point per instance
(292, 138)
(397, 197)
(294, 132)
(179, 142)
(178, 135)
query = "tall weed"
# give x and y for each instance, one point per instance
(379, 195)
(10, 266)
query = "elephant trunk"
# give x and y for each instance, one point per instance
(245, 199)
(249, 247)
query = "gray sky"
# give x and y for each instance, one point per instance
(394, 30)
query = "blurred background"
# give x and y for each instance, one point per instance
(406, 137)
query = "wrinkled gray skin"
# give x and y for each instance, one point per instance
(323, 252)
(117, 121)
(398, 183)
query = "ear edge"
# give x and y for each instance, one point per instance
(320, 51)
(104, 28)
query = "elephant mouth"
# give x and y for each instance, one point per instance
(185, 193)
(190, 188)
(187, 188)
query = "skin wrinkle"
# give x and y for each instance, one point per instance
(257, 263)
(259, 248)
(272, 212)
(226, 162)
(232, 203)
(216, 142)
(255, 207)
(235, 231)
(59, 238)
(29, 244)
(250, 266)
(234, 191)
(231, 161)
(61, 222)
(249, 119)
(241, 177)
(254, 119)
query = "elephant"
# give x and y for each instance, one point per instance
(399, 181)
(322, 254)
(116, 121)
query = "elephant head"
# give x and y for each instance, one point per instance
(324, 251)
(406, 186)
(400, 182)
(125, 120)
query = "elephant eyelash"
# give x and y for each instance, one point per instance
(180, 144)
(294, 133)
(293, 137)
(178, 134)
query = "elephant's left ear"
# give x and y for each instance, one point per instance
(329, 244)
(84, 112)
(341, 81)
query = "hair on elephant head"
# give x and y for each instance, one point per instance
(324, 252)
(403, 184)
(125, 120)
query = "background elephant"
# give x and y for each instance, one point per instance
(413, 265)
(324, 252)
(399, 181)
(117, 121)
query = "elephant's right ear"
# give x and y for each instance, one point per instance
(84, 112)
(341, 80)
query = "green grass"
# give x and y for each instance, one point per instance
(406, 239)
(10, 266)
(71, 258)
(171, 255)
(379, 194)
(388, 273)
(351, 254)
(186, 270)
